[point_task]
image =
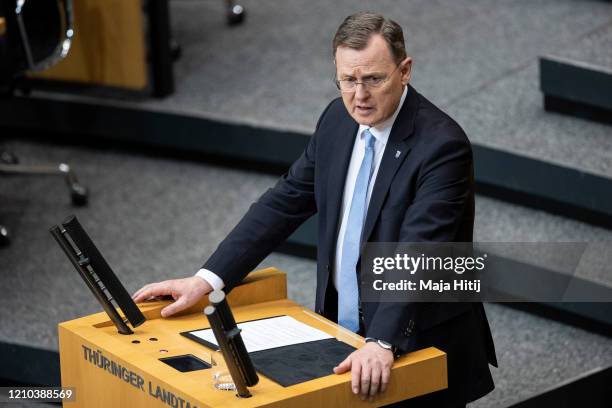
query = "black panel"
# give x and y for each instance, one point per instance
(576, 81)
(577, 109)
(546, 186)
(104, 271)
(28, 365)
(576, 88)
(160, 54)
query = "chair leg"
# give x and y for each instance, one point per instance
(5, 236)
(8, 158)
(78, 193)
(9, 165)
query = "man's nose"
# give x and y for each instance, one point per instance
(361, 91)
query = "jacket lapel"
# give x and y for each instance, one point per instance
(396, 151)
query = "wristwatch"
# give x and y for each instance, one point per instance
(384, 344)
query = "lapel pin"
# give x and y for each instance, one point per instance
(397, 154)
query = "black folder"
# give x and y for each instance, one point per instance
(290, 365)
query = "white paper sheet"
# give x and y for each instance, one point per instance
(270, 333)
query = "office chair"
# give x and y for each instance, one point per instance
(34, 35)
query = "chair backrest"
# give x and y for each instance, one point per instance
(34, 35)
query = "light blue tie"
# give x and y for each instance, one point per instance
(348, 291)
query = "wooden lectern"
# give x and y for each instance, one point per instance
(108, 369)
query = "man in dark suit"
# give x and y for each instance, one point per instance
(384, 165)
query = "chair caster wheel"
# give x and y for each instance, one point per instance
(79, 195)
(235, 15)
(176, 51)
(8, 158)
(5, 236)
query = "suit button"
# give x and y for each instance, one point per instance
(327, 267)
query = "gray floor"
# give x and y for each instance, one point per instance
(589, 48)
(156, 218)
(475, 59)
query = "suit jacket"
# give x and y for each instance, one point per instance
(424, 191)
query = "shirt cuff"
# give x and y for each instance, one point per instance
(212, 278)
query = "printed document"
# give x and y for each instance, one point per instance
(270, 333)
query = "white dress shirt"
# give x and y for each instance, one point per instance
(381, 135)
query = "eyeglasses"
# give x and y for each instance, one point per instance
(370, 82)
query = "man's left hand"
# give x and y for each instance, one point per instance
(370, 368)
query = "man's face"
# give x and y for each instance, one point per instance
(372, 105)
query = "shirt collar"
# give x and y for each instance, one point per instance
(381, 131)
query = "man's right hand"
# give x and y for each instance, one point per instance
(186, 292)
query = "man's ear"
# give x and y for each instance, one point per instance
(406, 69)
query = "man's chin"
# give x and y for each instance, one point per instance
(366, 120)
